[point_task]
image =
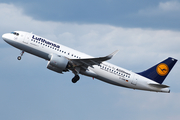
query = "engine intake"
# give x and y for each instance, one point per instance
(58, 63)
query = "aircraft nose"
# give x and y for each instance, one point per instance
(7, 37)
(4, 37)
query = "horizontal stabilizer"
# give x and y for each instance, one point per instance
(158, 85)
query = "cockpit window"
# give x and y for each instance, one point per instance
(15, 33)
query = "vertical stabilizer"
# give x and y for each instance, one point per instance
(160, 71)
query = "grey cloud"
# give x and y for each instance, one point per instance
(113, 12)
(163, 9)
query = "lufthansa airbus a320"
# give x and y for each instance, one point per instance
(63, 59)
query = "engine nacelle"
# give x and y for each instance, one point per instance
(57, 63)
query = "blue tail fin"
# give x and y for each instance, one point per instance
(160, 71)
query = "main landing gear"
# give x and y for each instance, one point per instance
(76, 73)
(19, 57)
(75, 78)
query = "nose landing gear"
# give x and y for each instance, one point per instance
(19, 57)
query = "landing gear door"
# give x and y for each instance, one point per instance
(27, 38)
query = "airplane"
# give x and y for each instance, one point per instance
(63, 59)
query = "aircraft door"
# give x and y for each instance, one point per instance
(27, 38)
(134, 80)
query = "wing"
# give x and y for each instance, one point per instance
(92, 61)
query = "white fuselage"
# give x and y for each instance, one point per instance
(106, 72)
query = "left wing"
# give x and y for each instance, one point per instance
(92, 61)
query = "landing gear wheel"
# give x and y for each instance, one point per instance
(75, 78)
(19, 57)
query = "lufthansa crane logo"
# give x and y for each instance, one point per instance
(162, 69)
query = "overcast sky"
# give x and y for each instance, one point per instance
(144, 32)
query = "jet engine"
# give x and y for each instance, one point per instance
(58, 63)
